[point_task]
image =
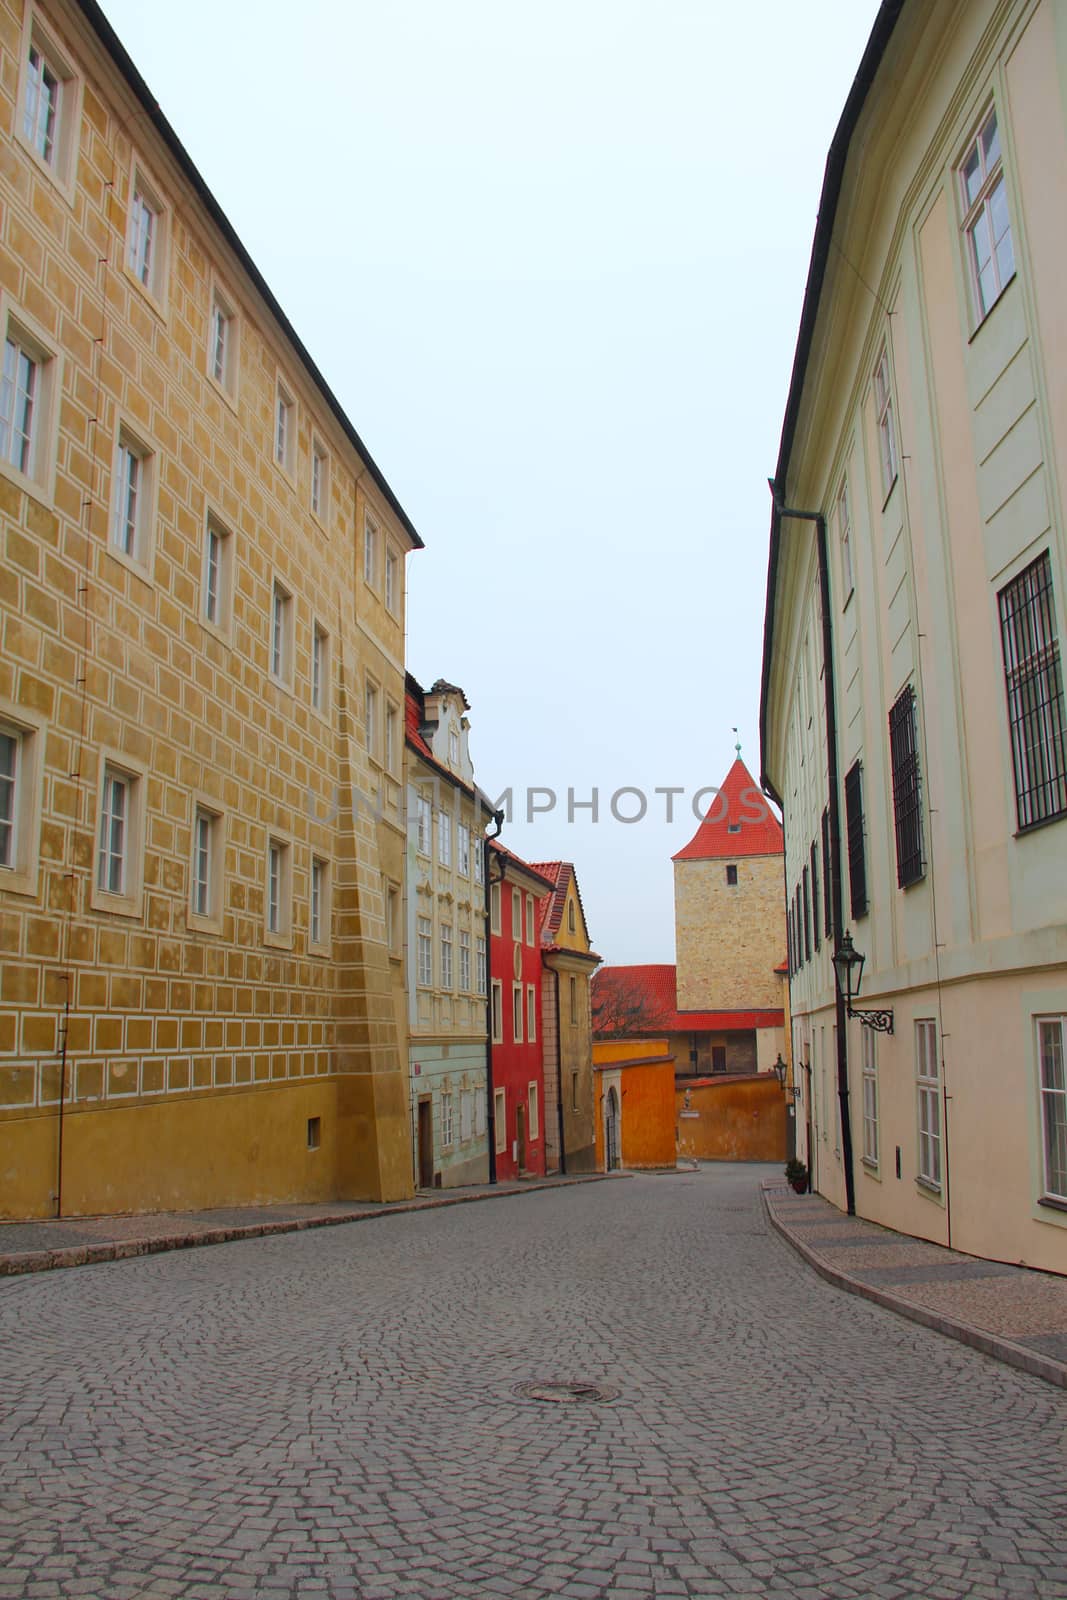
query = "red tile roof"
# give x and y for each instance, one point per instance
(741, 806)
(643, 1000)
(413, 710)
(532, 872)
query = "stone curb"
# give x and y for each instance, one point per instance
(19, 1263)
(990, 1344)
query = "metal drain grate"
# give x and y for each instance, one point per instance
(567, 1394)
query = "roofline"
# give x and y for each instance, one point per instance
(121, 58)
(471, 790)
(884, 23)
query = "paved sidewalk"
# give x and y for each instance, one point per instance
(1015, 1314)
(79, 1241)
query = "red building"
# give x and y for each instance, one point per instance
(518, 1101)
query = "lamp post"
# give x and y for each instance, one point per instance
(848, 970)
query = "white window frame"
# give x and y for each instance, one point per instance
(447, 965)
(478, 850)
(371, 547)
(494, 908)
(134, 501)
(928, 1095)
(121, 894)
(372, 700)
(530, 920)
(465, 960)
(278, 892)
(32, 466)
(320, 908)
(1052, 1101)
(977, 211)
(216, 581)
(496, 997)
(448, 1125)
(319, 481)
(573, 991)
(284, 437)
(517, 1036)
(531, 1013)
(20, 866)
(206, 866)
(466, 1115)
(870, 1096)
(392, 737)
(320, 669)
(453, 747)
(844, 537)
(516, 915)
(280, 639)
(59, 159)
(463, 849)
(444, 838)
(147, 236)
(533, 1113)
(223, 344)
(424, 952)
(392, 570)
(481, 965)
(887, 431)
(423, 824)
(500, 1121)
(393, 918)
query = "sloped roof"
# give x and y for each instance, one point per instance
(532, 872)
(739, 806)
(413, 714)
(643, 1000)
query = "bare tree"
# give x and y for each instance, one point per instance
(620, 1006)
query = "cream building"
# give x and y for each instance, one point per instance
(447, 941)
(917, 740)
(202, 830)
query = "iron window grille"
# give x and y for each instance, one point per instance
(815, 892)
(857, 866)
(907, 788)
(1034, 681)
(827, 898)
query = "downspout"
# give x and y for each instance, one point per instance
(559, 1082)
(490, 1119)
(781, 511)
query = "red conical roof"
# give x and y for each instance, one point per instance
(739, 822)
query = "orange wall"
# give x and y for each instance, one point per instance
(739, 1120)
(647, 1089)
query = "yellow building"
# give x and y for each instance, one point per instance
(566, 1023)
(202, 832)
(913, 713)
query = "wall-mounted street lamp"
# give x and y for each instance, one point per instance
(780, 1070)
(848, 969)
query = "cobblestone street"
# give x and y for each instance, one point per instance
(332, 1414)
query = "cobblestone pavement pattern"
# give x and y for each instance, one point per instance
(331, 1415)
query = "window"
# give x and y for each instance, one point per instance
(218, 570)
(573, 983)
(718, 1058)
(392, 576)
(466, 1115)
(284, 429)
(314, 1133)
(1050, 1047)
(516, 1012)
(320, 669)
(572, 922)
(51, 104)
(422, 824)
(479, 1115)
(133, 510)
(887, 437)
(907, 789)
(222, 344)
(531, 1013)
(319, 919)
(28, 413)
(448, 1131)
(444, 838)
(41, 109)
(497, 998)
(320, 480)
(870, 1096)
(574, 1091)
(392, 728)
(453, 747)
(827, 898)
(857, 866)
(463, 849)
(281, 634)
(21, 747)
(392, 918)
(1034, 679)
(279, 891)
(516, 916)
(479, 964)
(479, 860)
(500, 1121)
(986, 223)
(117, 880)
(806, 899)
(494, 908)
(533, 1120)
(446, 956)
(731, 874)
(815, 892)
(928, 1078)
(529, 919)
(424, 952)
(146, 248)
(370, 553)
(464, 960)
(844, 534)
(370, 717)
(206, 876)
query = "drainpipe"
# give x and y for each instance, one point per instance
(490, 1119)
(559, 1082)
(781, 511)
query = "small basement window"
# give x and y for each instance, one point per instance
(731, 873)
(314, 1132)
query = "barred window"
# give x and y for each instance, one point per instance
(827, 897)
(907, 788)
(815, 892)
(857, 866)
(1034, 682)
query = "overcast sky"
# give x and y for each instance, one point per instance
(551, 260)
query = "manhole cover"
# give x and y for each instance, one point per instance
(567, 1394)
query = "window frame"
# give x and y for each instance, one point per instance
(221, 624)
(448, 1120)
(319, 675)
(517, 1005)
(531, 1013)
(464, 947)
(844, 541)
(372, 699)
(530, 920)
(424, 952)
(906, 778)
(494, 908)
(391, 745)
(278, 913)
(28, 729)
(1058, 1021)
(207, 917)
(463, 849)
(573, 992)
(533, 1110)
(869, 1075)
(481, 965)
(888, 445)
(855, 834)
(371, 546)
(496, 1009)
(224, 308)
(283, 435)
(423, 824)
(150, 278)
(281, 631)
(392, 568)
(974, 212)
(394, 919)
(928, 1096)
(38, 476)
(127, 901)
(319, 481)
(320, 889)
(132, 444)
(1035, 694)
(516, 915)
(61, 171)
(444, 838)
(445, 946)
(500, 1121)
